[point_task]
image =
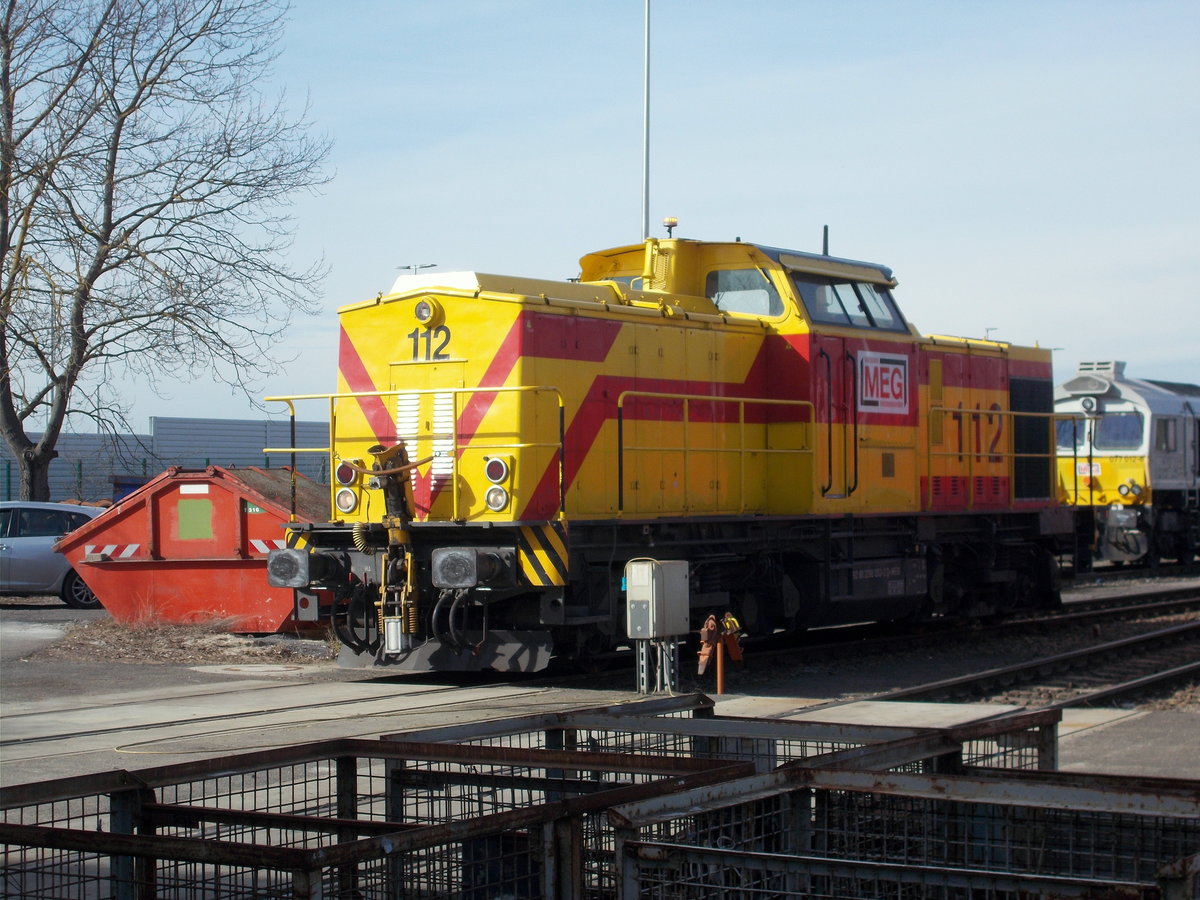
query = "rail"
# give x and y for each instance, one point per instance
(1001, 450)
(456, 445)
(1149, 655)
(688, 451)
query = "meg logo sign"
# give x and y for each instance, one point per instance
(882, 383)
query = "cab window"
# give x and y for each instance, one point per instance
(747, 291)
(856, 304)
(1072, 433)
(1118, 431)
(1165, 438)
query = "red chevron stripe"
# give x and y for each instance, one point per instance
(357, 378)
(532, 335)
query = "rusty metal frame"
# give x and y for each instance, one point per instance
(135, 810)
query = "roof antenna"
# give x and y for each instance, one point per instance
(825, 242)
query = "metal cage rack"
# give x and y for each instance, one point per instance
(652, 799)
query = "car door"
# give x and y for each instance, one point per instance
(32, 563)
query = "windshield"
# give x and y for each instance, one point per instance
(856, 304)
(1111, 431)
(1072, 433)
(1118, 431)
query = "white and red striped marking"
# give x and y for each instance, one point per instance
(267, 546)
(112, 551)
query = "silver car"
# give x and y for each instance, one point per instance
(28, 563)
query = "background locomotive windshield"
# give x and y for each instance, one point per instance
(1027, 168)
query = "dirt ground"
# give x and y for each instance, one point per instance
(188, 645)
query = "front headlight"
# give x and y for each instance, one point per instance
(496, 498)
(346, 500)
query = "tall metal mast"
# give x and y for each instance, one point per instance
(646, 132)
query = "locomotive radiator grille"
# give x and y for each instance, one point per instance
(438, 438)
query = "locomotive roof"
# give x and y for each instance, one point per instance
(819, 262)
(797, 260)
(1176, 387)
(1108, 379)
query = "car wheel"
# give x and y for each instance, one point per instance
(78, 595)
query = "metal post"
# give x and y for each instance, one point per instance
(720, 649)
(643, 667)
(646, 131)
(668, 665)
(394, 800)
(307, 885)
(347, 808)
(130, 877)
(1047, 740)
(562, 858)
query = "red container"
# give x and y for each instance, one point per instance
(191, 546)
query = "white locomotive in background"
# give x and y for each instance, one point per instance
(1129, 448)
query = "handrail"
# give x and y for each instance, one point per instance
(851, 488)
(456, 447)
(687, 399)
(826, 488)
(992, 455)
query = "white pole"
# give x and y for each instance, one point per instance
(646, 132)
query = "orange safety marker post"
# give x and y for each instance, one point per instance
(717, 638)
(720, 667)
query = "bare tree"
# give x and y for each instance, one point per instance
(144, 210)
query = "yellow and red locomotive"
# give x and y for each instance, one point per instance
(502, 446)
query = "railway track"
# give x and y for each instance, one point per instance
(1103, 673)
(832, 644)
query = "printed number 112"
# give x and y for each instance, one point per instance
(423, 340)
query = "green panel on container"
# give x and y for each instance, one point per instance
(195, 519)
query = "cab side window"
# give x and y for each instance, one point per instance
(746, 291)
(1166, 436)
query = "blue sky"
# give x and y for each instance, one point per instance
(1028, 168)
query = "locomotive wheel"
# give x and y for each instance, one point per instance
(752, 614)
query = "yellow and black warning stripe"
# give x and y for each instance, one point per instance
(296, 540)
(542, 551)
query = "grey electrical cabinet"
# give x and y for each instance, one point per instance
(656, 598)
